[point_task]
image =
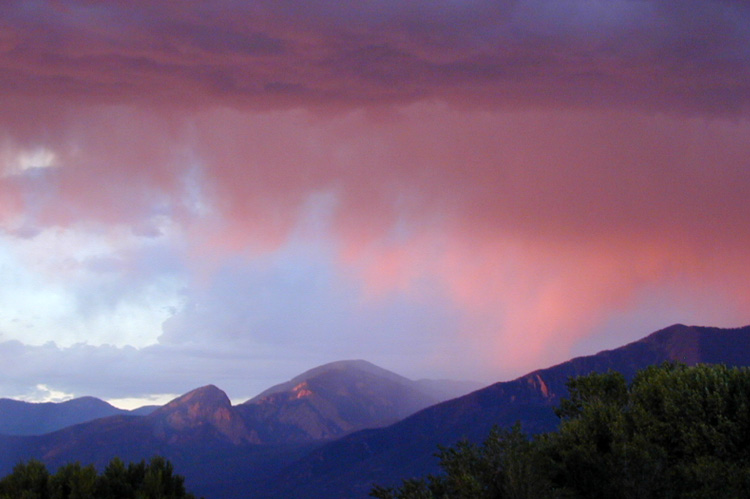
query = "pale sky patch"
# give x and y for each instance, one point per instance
(130, 403)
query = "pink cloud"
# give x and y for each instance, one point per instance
(542, 168)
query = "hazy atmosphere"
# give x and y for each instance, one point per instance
(235, 192)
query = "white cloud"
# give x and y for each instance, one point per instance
(76, 285)
(15, 161)
(43, 393)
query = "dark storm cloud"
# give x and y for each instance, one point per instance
(660, 55)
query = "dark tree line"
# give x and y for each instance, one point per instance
(673, 432)
(153, 480)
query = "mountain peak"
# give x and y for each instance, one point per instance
(339, 366)
(196, 404)
(204, 409)
(208, 394)
(333, 399)
(694, 344)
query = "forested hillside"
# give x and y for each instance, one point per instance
(674, 431)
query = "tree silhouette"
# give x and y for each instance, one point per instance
(155, 480)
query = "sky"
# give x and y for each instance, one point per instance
(233, 192)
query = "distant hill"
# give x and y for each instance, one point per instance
(29, 418)
(144, 410)
(348, 467)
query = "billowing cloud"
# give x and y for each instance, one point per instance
(456, 188)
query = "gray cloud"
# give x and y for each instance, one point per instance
(298, 298)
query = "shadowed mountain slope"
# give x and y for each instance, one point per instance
(348, 467)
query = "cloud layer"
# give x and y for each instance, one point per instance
(689, 56)
(466, 189)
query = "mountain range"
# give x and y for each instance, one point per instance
(263, 433)
(337, 429)
(348, 467)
